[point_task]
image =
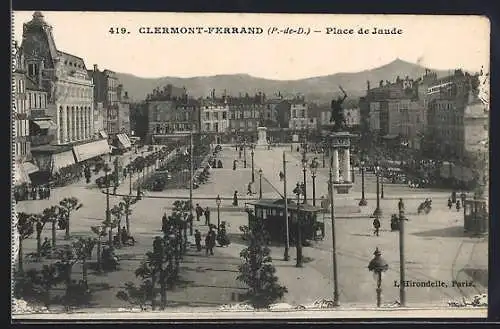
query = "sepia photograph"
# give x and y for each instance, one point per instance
(224, 165)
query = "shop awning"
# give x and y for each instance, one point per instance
(103, 134)
(91, 150)
(30, 168)
(124, 141)
(20, 175)
(45, 124)
(62, 160)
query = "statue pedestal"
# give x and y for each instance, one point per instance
(261, 136)
(339, 144)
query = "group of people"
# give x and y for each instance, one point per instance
(200, 212)
(210, 239)
(454, 201)
(28, 192)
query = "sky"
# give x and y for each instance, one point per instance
(437, 42)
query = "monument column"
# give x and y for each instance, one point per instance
(347, 165)
(335, 164)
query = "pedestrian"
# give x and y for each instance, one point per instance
(207, 216)
(208, 247)
(376, 226)
(213, 238)
(454, 197)
(401, 206)
(235, 198)
(34, 192)
(450, 204)
(458, 205)
(249, 189)
(164, 223)
(115, 187)
(234, 164)
(40, 193)
(197, 239)
(282, 176)
(48, 191)
(199, 212)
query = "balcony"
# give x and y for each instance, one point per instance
(41, 140)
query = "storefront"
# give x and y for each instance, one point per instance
(91, 150)
(62, 160)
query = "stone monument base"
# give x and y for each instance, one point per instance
(261, 137)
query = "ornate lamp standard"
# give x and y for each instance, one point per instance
(252, 154)
(106, 180)
(130, 175)
(218, 201)
(378, 265)
(260, 183)
(304, 170)
(378, 212)
(314, 169)
(244, 154)
(381, 184)
(362, 202)
(298, 241)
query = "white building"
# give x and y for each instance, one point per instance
(299, 117)
(214, 118)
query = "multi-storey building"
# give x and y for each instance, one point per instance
(246, 113)
(169, 112)
(449, 99)
(106, 92)
(214, 118)
(70, 98)
(299, 115)
(21, 115)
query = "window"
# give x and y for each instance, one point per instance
(216, 115)
(224, 115)
(294, 113)
(207, 116)
(207, 126)
(40, 101)
(216, 127)
(303, 113)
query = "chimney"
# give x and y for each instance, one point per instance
(95, 68)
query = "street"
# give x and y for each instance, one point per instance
(436, 248)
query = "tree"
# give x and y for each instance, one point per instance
(117, 212)
(51, 215)
(128, 201)
(37, 284)
(100, 232)
(257, 270)
(25, 230)
(111, 223)
(159, 267)
(136, 295)
(67, 206)
(83, 251)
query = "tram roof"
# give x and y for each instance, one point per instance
(280, 204)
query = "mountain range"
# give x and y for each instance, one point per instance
(319, 89)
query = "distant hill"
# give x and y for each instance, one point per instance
(320, 89)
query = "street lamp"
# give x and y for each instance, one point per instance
(314, 170)
(378, 212)
(260, 182)
(362, 202)
(218, 201)
(244, 154)
(382, 186)
(130, 175)
(304, 170)
(298, 243)
(253, 174)
(106, 180)
(378, 265)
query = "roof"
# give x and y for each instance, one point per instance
(51, 148)
(72, 60)
(280, 204)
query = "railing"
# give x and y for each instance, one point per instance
(41, 140)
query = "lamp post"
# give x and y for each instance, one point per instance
(106, 180)
(130, 175)
(244, 154)
(218, 201)
(378, 212)
(378, 265)
(304, 170)
(253, 173)
(314, 170)
(260, 182)
(362, 202)
(287, 242)
(298, 240)
(382, 186)
(331, 192)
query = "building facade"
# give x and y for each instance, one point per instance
(300, 118)
(106, 92)
(21, 112)
(65, 78)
